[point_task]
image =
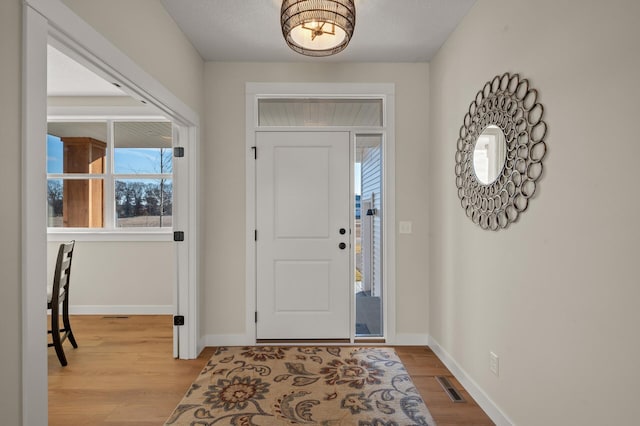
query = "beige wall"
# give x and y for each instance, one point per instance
(116, 274)
(10, 259)
(223, 186)
(555, 295)
(144, 31)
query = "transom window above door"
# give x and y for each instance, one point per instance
(320, 112)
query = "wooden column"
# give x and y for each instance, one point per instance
(83, 200)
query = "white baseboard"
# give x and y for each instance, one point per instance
(403, 339)
(121, 310)
(411, 339)
(227, 340)
(489, 407)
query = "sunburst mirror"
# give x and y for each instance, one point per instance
(500, 149)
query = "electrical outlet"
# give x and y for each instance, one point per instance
(405, 227)
(494, 363)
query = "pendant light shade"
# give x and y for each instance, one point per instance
(318, 27)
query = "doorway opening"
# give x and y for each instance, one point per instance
(364, 114)
(51, 22)
(110, 187)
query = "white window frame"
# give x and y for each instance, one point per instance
(109, 232)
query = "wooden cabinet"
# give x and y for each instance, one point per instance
(83, 199)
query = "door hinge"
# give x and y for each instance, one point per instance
(255, 235)
(178, 151)
(178, 320)
(255, 152)
(178, 236)
(256, 316)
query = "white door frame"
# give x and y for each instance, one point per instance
(44, 20)
(384, 91)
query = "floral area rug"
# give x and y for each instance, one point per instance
(302, 386)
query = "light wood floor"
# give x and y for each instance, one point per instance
(123, 374)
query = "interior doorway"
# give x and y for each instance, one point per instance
(110, 187)
(42, 23)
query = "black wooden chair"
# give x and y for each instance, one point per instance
(58, 295)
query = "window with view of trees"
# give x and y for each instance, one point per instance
(110, 174)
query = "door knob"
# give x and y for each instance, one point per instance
(342, 246)
(342, 231)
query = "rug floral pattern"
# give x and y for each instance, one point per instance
(326, 386)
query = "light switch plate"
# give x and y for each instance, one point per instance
(494, 363)
(405, 227)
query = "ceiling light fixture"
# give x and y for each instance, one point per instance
(318, 27)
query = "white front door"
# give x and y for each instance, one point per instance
(303, 238)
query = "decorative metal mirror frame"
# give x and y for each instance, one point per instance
(509, 103)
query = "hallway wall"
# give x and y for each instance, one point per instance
(120, 277)
(10, 212)
(555, 295)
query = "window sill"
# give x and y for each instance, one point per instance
(58, 235)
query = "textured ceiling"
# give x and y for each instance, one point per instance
(249, 30)
(386, 30)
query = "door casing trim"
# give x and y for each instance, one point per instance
(43, 21)
(384, 91)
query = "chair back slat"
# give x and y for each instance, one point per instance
(66, 266)
(62, 274)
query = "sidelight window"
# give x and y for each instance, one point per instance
(368, 236)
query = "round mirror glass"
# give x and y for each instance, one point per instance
(489, 154)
